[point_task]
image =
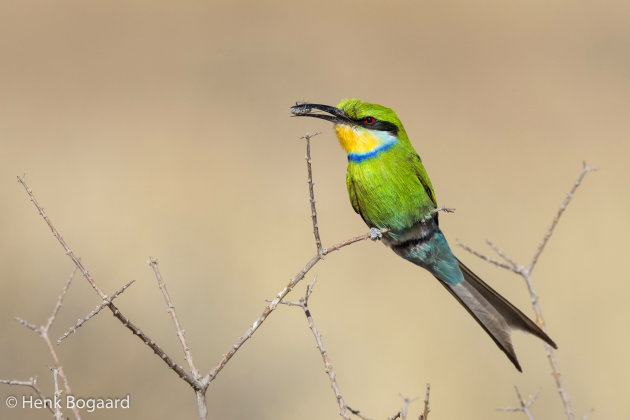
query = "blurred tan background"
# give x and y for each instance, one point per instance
(162, 129)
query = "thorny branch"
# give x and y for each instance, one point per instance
(31, 383)
(357, 413)
(95, 311)
(318, 241)
(427, 410)
(171, 310)
(524, 405)
(43, 332)
(585, 170)
(485, 257)
(344, 410)
(303, 303)
(199, 384)
(201, 392)
(402, 414)
(58, 415)
(281, 295)
(404, 410)
(526, 271)
(115, 311)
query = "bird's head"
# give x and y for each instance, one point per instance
(360, 126)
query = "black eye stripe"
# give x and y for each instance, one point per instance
(378, 125)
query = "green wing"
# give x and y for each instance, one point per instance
(423, 177)
(352, 194)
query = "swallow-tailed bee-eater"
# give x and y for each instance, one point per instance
(389, 188)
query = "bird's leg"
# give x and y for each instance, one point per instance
(375, 234)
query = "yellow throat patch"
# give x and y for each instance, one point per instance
(355, 139)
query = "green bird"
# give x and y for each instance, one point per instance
(389, 188)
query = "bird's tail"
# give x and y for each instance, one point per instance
(493, 312)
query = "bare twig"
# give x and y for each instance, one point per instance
(398, 415)
(31, 383)
(405, 408)
(357, 413)
(524, 405)
(311, 192)
(57, 235)
(171, 309)
(94, 311)
(115, 311)
(503, 255)
(43, 332)
(526, 272)
(202, 405)
(485, 257)
(426, 410)
(57, 395)
(350, 241)
(59, 302)
(345, 410)
(444, 209)
(303, 303)
(585, 169)
(28, 325)
(281, 295)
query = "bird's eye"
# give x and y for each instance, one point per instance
(369, 120)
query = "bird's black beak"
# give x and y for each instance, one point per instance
(332, 114)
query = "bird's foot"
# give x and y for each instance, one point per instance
(375, 234)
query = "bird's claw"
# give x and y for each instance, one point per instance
(375, 234)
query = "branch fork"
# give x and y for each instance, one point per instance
(525, 271)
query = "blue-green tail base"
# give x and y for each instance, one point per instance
(425, 245)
